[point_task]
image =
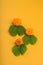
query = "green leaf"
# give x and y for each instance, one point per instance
(13, 30)
(20, 30)
(16, 50)
(23, 49)
(33, 39)
(30, 39)
(26, 39)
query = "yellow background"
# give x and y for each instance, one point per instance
(31, 13)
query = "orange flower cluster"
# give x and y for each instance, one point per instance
(17, 21)
(19, 42)
(29, 31)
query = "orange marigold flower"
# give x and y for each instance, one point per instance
(19, 42)
(29, 31)
(17, 21)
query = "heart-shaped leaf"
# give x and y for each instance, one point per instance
(33, 39)
(13, 30)
(20, 30)
(23, 49)
(26, 39)
(16, 50)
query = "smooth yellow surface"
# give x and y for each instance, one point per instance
(31, 13)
